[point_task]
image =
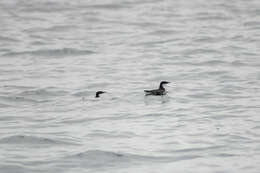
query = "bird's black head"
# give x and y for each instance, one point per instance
(164, 82)
(98, 93)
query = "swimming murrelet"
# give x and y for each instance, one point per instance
(157, 92)
(98, 93)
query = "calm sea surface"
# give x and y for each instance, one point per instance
(55, 54)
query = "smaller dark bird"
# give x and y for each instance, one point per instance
(157, 92)
(98, 93)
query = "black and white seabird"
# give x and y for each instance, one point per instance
(157, 92)
(98, 93)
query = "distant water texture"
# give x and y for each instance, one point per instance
(55, 54)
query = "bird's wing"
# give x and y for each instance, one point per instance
(152, 92)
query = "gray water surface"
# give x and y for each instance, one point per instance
(54, 56)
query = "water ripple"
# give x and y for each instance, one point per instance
(52, 52)
(32, 140)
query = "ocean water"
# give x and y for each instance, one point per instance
(55, 54)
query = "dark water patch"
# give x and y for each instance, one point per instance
(31, 95)
(38, 43)
(154, 100)
(106, 134)
(88, 119)
(252, 24)
(251, 54)
(256, 127)
(2, 105)
(93, 159)
(237, 49)
(154, 43)
(56, 28)
(234, 91)
(44, 92)
(201, 51)
(32, 140)
(4, 51)
(13, 168)
(228, 78)
(17, 99)
(165, 32)
(199, 150)
(82, 93)
(8, 39)
(238, 63)
(239, 138)
(107, 6)
(59, 28)
(32, 18)
(203, 63)
(213, 63)
(43, 7)
(223, 155)
(52, 52)
(18, 87)
(206, 39)
(11, 119)
(99, 158)
(139, 3)
(149, 115)
(212, 16)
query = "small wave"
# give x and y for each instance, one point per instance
(201, 51)
(44, 7)
(17, 99)
(103, 134)
(198, 149)
(108, 158)
(21, 139)
(202, 95)
(238, 63)
(101, 159)
(2, 105)
(98, 154)
(107, 6)
(223, 155)
(210, 16)
(56, 28)
(17, 87)
(43, 92)
(81, 93)
(12, 168)
(214, 62)
(204, 63)
(7, 39)
(32, 95)
(59, 28)
(52, 52)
